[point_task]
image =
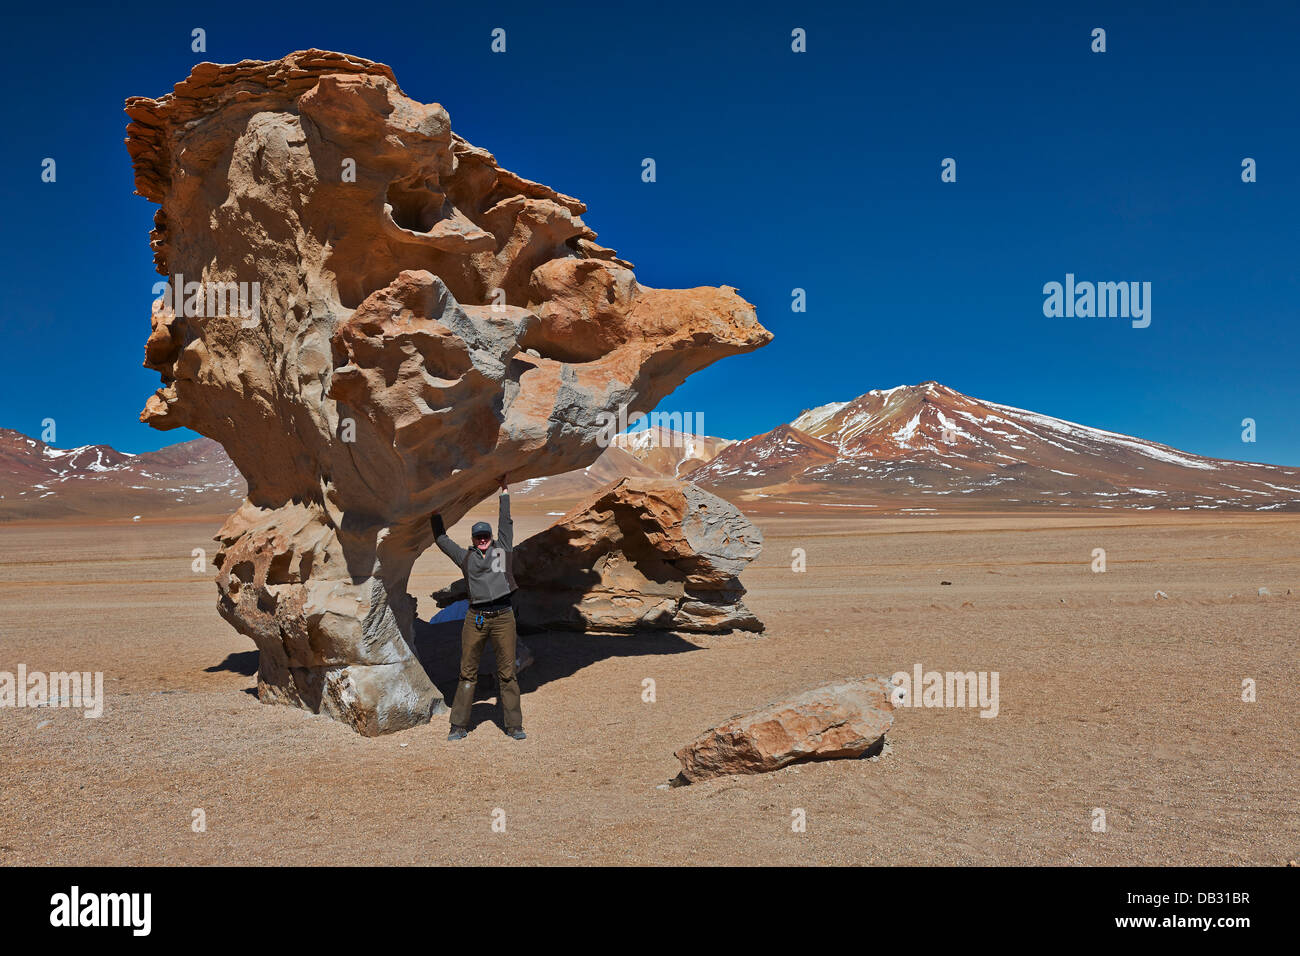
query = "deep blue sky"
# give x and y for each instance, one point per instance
(775, 170)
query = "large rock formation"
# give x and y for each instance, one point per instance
(845, 719)
(639, 554)
(423, 322)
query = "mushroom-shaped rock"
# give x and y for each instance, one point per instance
(377, 321)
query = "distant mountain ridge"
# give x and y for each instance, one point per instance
(40, 481)
(773, 457)
(912, 448)
(931, 445)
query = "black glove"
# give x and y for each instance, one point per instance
(435, 522)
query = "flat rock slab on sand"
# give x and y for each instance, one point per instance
(843, 719)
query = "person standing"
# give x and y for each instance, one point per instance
(491, 616)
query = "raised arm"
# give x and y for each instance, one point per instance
(448, 547)
(505, 527)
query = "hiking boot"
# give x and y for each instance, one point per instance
(457, 733)
(517, 733)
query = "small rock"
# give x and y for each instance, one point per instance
(1161, 594)
(44, 723)
(1264, 592)
(401, 745)
(847, 718)
(946, 582)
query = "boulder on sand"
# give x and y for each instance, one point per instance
(845, 719)
(638, 554)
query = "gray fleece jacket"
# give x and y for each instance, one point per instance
(488, 574)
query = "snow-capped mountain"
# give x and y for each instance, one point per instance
(776, 456)
(671, 453)
(929, 443)
(39, 481)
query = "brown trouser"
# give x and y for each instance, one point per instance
(500, 628)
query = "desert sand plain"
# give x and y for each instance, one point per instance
(1110, 698)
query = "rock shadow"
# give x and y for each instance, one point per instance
(239, 662)
(557, 655)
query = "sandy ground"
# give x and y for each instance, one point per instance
(1109, 698)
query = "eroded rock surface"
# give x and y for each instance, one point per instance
(638, 554)
(426, 321)
(844, 719)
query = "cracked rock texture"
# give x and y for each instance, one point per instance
(426, 321)
(638, 554)
(845, 719)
